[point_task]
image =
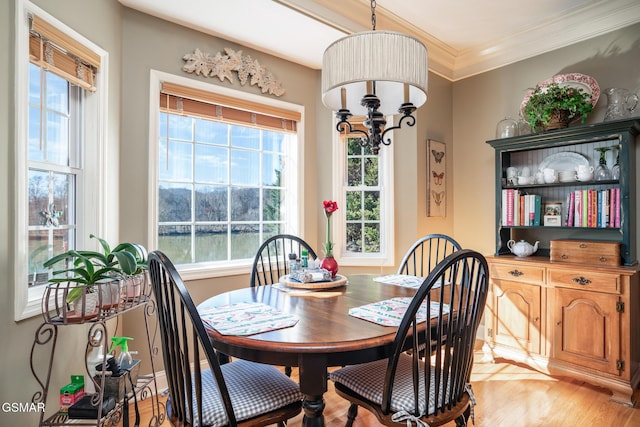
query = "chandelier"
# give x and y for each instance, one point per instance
(372, 74)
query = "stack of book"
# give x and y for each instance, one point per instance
(520, 209)
(594, 208)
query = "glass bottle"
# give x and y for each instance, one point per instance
(602, 172)
(293, 262)
(304, 258)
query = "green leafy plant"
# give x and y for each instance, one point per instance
(86, 268)
(554, 101)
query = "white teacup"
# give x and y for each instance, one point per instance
(525, 180)
(584, 175)
(549, 171)
(582, 169)
(550, 178)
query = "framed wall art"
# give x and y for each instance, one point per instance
(436, 178)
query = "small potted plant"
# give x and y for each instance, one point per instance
(554, 106)
(87, 272)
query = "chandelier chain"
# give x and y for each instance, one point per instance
(373, 15)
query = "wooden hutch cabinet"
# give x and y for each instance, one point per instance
(576, 319)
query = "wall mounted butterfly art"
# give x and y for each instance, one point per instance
(436, 178)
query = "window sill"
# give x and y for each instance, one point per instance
(366, 261)
(210, 270)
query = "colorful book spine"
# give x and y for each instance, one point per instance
(532, 209)
(617, 212)
(585, 208)
(578, 208)
(612, 207)
(600, 210)
(516, 207)
(589, 208)
(571, 206)
(503, 210)
(537, 211)
(510, 206)
(605, 208)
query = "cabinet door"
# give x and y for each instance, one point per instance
(586, 329)
(516, 315)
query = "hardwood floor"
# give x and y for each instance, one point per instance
(508, 394)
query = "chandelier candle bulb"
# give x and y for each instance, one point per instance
(406, 93)
(343, 98)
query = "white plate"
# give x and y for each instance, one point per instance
(565, 161)
(333, 283)
(576, 80)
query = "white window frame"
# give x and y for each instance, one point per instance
(90, 213)
(386, 255)
(294, 185)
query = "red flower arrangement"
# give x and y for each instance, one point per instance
(329, 208)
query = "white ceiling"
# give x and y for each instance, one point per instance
(463, 37)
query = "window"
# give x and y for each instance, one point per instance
(362, 208)
(54, 171)
(227, 178)
(57, 107)
(364, 189)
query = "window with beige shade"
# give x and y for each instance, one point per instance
(59, 148)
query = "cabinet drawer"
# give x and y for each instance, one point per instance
(587, 280)
(586, 252)
(521, 273)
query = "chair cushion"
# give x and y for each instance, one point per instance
(367, 380)
(254, 389)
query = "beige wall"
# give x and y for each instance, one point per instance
(462, 115)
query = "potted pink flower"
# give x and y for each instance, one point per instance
(328, 262)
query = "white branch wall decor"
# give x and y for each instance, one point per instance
(222, 66)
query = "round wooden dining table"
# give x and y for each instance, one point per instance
(325, 335)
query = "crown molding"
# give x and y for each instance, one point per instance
(556, 34)
(453, 64)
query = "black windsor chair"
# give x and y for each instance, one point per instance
(240, 393)
(425, 253)
(271, 260)
(407, 389)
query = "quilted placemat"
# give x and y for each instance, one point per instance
(404, 280)
(246, 318)
(390, 312)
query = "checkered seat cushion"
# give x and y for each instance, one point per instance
(254, 389)
(368, 381)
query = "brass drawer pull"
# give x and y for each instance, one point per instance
(564, 256)
(581, 280)
(603, 259)
(516, 273)
(583, 245)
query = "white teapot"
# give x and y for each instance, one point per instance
(522, 249)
